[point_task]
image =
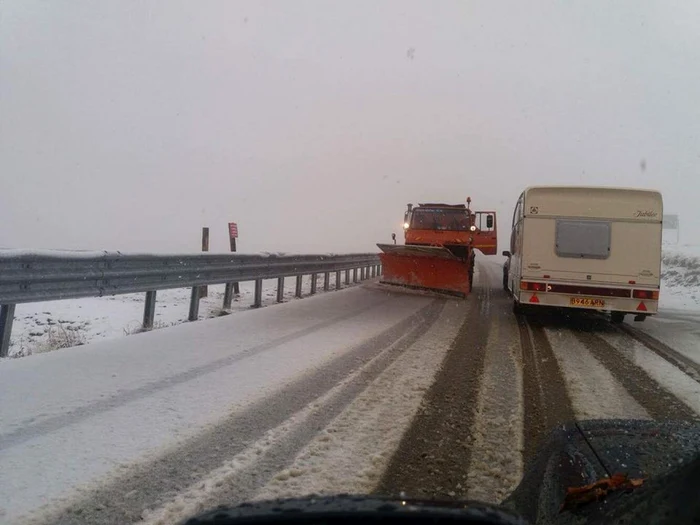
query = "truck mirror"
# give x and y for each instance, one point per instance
(506, 253)
(489, 221)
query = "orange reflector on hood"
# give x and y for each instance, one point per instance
(642, 307)
(534, 298)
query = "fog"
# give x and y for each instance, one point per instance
(130, 125)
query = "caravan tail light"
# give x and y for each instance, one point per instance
(533, 287)
(646, 294)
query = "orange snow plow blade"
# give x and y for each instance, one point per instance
(424, 267)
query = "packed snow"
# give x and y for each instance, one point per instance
(74, 416)
(608, 399)
(660, 370)
(675, 328)
(350, 454)
(496, 461)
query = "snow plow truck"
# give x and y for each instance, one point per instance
(438, 250)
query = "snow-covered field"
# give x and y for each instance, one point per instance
(42, 327)
(680, 274)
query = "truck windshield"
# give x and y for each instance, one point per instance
(440, 219)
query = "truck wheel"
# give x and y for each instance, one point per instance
(617, 317)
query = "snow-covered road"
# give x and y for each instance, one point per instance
(72, 417)
(364, 390)
(508, 381)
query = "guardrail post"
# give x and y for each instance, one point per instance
(354, 275)
(347, 277)
(337, 280)
(228, 295)
(149, 310)
(194, 304)
(280, 289)
(258, 293)
(7, 315)
(297, 291)
(313, 283)
(326, 281)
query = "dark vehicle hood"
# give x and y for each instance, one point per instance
(585, 452)
(663, 457)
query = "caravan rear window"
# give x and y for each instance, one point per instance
(583, 239)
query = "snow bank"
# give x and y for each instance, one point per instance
(680, 278)
(52, 325)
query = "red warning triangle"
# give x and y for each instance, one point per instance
(642, 307)
(534, 298)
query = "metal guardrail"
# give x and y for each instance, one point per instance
(27, 277)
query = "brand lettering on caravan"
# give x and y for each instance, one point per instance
(645, 213)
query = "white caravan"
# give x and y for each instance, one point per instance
(590, 248)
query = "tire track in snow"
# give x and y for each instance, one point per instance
(594, 391)
(673, 379)
(656, 400)
(150, 484)
(275, 459)
(690, 367)
(547, 402)
(351, 454)
(496, 464)
(433, 457)
(54, 423)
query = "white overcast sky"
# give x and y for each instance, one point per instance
(131, 124)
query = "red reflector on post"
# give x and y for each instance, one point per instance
(534, 298)
(642, 307)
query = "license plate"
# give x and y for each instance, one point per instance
(587, 302)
